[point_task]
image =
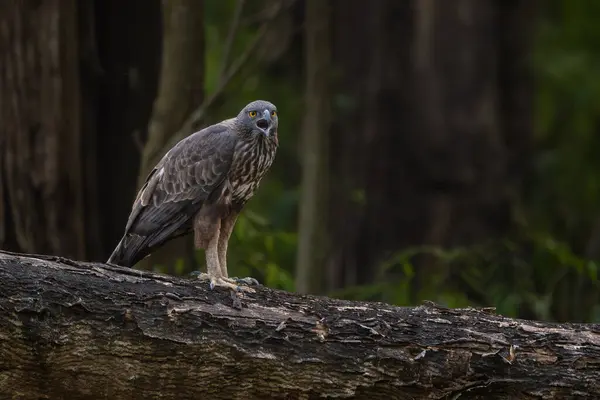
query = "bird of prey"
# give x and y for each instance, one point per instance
(201, 185)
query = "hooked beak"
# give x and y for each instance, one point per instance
(264, 124)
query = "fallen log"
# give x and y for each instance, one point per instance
(75, 330)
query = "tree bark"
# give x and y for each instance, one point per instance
(88, 331)
(76, 83)
(312, 230)
(40, 131)
(181, 90)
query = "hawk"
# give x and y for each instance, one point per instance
(201, 185)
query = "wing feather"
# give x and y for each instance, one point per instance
(175, 190)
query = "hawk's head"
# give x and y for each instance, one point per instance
(259, 117)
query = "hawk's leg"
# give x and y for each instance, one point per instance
(227, 225)
(206, 235)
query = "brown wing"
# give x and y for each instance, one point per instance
(175, 190)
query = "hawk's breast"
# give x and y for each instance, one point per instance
(251, 162)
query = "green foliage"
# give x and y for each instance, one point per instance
(262, 251)
(565, 193)
(522, 277)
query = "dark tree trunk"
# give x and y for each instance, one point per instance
(42, 159)
(371, 113)
(91, 331)
(312, 232)
(77, 83)
(437, 123)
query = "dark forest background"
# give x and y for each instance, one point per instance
(440, 150)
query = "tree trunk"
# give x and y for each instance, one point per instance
(42, 160)
(89, 331)
(181, 90)
(371, 111)
(77, 81)
(437, 123)
(470, 123)
(312, 230)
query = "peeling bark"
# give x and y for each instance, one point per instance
(89, 331)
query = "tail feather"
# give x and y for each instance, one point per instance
(131, 249)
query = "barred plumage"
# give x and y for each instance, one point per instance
(252, 161)
(201, 185)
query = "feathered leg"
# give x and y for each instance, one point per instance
(207, 231)
(227, 225)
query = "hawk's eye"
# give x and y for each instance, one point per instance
(252, 114)
(273, 113)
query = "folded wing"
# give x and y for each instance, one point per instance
(175, 190)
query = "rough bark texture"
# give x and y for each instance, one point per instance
(77, 81)
(40, 133)
(92, 331)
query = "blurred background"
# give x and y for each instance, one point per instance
(439, 150)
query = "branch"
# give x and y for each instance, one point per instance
(235, 24)
(77, 330)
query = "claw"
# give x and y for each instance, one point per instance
(247, 281)
(229, 283)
